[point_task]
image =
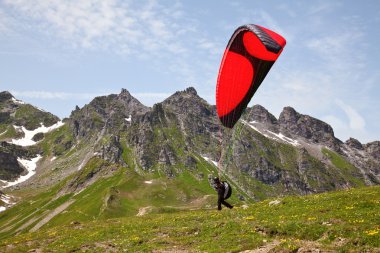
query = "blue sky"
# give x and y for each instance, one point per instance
(58, 54)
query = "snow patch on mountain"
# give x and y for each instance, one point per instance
(30, 166)
(16, 101)
(210, 161)
(284, 138)
(27, 140)
(271, 135)
(7, 200)
(129, 119)
(250, 124)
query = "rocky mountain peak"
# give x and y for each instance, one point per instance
(131, 103)
(260, 114)
(289, 116)
(192, 91)
(124, 93)
(354, 143)
(5, 95)
(305, 126)
(109, 113)
(179, 95)
(187, 102)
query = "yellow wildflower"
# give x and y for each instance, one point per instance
(372, 232)
(136, 238)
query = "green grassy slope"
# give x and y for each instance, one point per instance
(342, 221)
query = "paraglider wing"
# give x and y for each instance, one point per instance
(249, 55)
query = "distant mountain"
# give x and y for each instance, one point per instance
(16, 112)
(117, 157)
(16, 118)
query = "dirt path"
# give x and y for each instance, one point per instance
(52, 214)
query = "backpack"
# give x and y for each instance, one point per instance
(227, 190)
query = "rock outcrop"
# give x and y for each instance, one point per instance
(10, 168)
(313, 130)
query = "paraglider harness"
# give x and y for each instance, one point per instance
(227, 189)
(226, 185)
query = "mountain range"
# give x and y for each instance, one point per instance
(115, 157)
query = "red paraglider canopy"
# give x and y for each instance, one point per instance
(249, 55)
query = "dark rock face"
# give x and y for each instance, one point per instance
(260, 114)
(314, 130)
(167, 156)
(266, 172)
(354, 143)
(193, 115)
(373, 148)
(5, 117)
(38, 137)
(18, 151)
(188, 102)
(112, 152)
(9, 167)
(5, 95)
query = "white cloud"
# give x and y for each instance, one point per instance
(350, 124)
(340, 51)
(343, 130)
(119, 26)
(336, 122)
(144, 30)
(356, 121)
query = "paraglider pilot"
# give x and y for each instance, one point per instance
(224, 192)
